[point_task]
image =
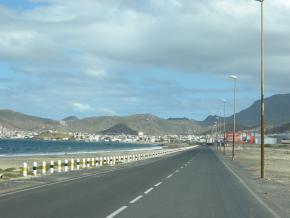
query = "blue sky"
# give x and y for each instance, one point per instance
(169, 58)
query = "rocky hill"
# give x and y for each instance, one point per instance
(120, 129)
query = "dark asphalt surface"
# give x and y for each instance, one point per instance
(202, 188)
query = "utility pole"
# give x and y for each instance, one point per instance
(234, 132)
(224, 102)
(262, 92)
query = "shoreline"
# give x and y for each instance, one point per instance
(17, 161)
(77, 152)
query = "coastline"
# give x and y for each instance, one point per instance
(7, 162)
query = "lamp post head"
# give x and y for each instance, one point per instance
(259, 1)
(224, 100)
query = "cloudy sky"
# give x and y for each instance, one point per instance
(170, 58)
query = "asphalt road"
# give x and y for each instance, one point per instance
(194, 183)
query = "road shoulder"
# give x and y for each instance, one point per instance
(262, 189)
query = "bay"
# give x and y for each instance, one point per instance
(35, 147)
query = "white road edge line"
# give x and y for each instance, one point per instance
(159, 183)
(117, 212)
(169, 176)
(136, 199)
(149, 190)
(250, 190)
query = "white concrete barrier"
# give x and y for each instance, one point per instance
(99, 161)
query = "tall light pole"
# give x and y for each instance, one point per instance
(262, 90)
(218, 130)
(224, 102)
(233, 77)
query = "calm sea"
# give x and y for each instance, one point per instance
(32, 147)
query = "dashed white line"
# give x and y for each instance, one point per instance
(149, 190)
(169, 176)
(117, 212)
(182, 167)
(136, 199)
(177, 171)
(159, 183)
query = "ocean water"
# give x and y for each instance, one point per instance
(33, 147)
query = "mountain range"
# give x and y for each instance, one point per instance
(277, 113)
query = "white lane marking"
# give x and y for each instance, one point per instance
(250, 190)
(149, 190)
(117, 212)
(169, 176)
(182, 167)
(159, 183)
(177, 171)
(136, 199)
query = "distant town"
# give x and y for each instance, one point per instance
(241, 137)
(6, 133)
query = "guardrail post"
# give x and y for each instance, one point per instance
(24, 169)
(88, 162)
(51, 167)
(44, 167)
(72, 164)
(84, 162)
(78, 164)
(65, 165)
(34, 168)
(59, 166)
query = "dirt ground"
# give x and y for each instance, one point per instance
(277, 161)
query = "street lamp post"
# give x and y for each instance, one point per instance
(233, 77)
(218, 131)
(224, 102)
(262, 90)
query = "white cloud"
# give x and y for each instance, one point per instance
(108, 43)
(101, 74)
(81, 107)
(212, 36)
